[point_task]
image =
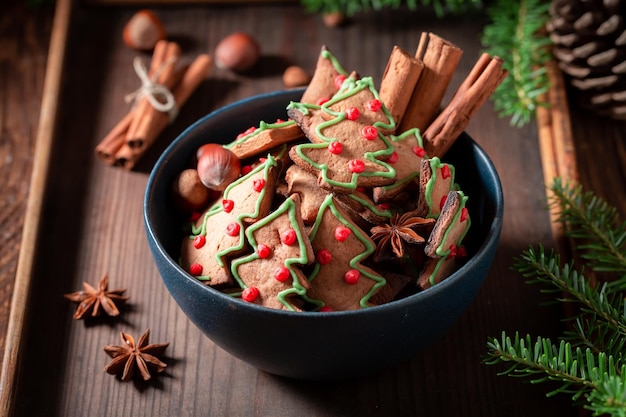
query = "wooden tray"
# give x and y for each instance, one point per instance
(84, 220)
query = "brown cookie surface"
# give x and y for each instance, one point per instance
(218, 235)
(339, 279)
(271, 275)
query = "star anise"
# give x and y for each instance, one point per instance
(90, 299)
(401, 230)
(130, 356)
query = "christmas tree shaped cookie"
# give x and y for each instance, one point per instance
(348, 146)
(436, 180)
(298, 181)
(406, 160)
(271, 275)
(219, 234)
(339, 280)
(444, 244)
(327, 78)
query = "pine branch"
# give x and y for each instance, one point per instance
(589, 360)
(595, 223)
(351, 7)
(574, 285)
(593, 377)
(516, 34)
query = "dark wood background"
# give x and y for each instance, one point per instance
(91, 224)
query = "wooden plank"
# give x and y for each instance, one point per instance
(557, 147)
(32, 227)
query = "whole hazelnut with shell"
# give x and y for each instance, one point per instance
(295, 76)
(238, 51)
(189, 193)
(143, 30)
(217, 166)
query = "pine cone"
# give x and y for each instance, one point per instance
(589, 38)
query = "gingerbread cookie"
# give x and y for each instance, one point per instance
(348, 148)
(339, 279)
(444, 244)
(406, 160)
(328, 77)
(271, 274)
(298, 181)
(218, 235)
(362, 209)
(436, 180)
(259, 140)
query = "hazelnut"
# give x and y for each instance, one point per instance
(237, 52)
(217, 166)
(295, 76)
(189, 192)
(143, 31)
(334, 19)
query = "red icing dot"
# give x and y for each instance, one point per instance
(263, 251)
(199, 241)
(195, 216)
(352, 113)
(335, 148)
(452, 253)
(246, 169)
(233, 229)
(352, 276)
(250, 294)
(228, 205)
(339, 81)
(374, 104)
(258, 185)
(288, 237)
(464, 214)
(369, 132)
(461, 252)
(356, 165)
(393, 158)
(443, 201)
(360, 189)
(280, 121)
(195, 269)
(445, 171)
(324, 256)
(325, 309)
(281, 273)
(384, 206)
(342, 233)
(322, 100)
(419, 151)
(246, 132)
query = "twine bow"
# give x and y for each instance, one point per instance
(159, 96)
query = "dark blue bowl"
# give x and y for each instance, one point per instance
(311, 345)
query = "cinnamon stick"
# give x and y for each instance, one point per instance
(165, 59)
(127, 156)
(440, 59)
(485, 77)
(113, 141)
(399, 80)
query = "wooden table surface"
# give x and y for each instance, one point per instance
(91, 224)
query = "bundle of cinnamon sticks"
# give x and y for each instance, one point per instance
(439, 59)
(133, 135)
